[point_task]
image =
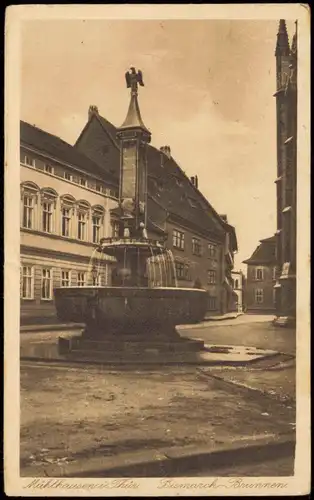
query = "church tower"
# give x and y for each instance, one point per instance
(286, 106)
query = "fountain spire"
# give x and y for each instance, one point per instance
(133, 118)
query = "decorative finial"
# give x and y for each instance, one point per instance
(134, 78)
(282, 45)
(133, 119)
(294, 40)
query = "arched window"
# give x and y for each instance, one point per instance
(67, 213)
(48, 206)
(29, 198)
(97, 222)
(83, 212)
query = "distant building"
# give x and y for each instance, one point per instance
(286, 105)
(261, 277)
(238, 280)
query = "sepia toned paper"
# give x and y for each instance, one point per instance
(235, 160)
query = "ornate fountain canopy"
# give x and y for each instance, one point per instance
(146, 246)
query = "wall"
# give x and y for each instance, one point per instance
(266, 285)
(286, 104)
(198, 265)
(40, 250)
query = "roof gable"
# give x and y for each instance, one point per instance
(97, 141)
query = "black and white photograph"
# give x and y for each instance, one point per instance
(157, 250)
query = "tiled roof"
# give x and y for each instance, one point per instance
(60, 150)
(167, 184)
(265, 253)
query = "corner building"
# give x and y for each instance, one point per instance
(65, 206)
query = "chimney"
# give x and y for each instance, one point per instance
(166, 150)
(194, 181)
(224, 217)
(92, 110)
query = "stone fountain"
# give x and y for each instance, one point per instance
(137, 314)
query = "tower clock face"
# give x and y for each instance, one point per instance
(129, 172)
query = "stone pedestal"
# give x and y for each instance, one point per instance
(128, 348)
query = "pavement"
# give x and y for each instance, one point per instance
(176, 461)
(222, 317)
(51, 327)
(248, 330)
(283, 466)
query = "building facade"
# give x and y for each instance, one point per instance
(69, 196)
(65, 207)
(261, 278)
(286, 181)
(238, 280)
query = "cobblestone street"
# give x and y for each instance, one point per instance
(251, 330)
(168, 407)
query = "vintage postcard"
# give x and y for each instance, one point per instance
(157, 229)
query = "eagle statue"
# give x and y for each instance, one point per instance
(132, 78)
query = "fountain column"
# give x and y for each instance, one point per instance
(133, 137)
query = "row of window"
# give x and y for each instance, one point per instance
(46, 285)
(183, 272)
(67, 175)
(258, 274)
(72, 220)
(178, 242)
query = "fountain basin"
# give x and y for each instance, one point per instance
(130, 309)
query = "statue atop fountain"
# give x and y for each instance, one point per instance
(141, 306)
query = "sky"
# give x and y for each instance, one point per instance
(208, 94)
